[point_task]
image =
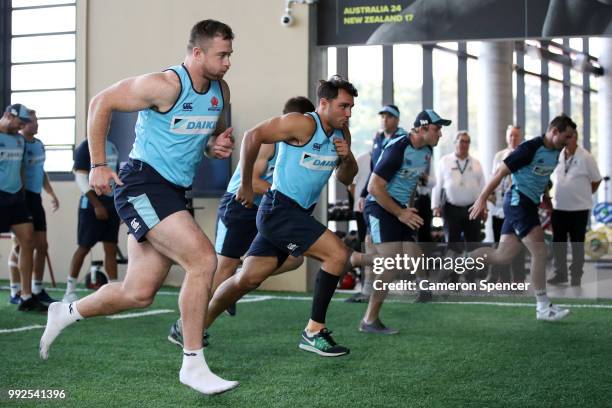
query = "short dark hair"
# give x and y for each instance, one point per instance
(329, 89)
(299, 104)
(207, 30)
(562, 122)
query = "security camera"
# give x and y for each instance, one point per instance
(286, 20)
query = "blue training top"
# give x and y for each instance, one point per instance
(12, 150)
(531, 164)
(378, 145)
(301, 172)
(173, 142)
(267, 175)
(34, 165)
(401, 165)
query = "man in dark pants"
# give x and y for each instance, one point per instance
(575, 180)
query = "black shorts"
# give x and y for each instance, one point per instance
(146, 198)
(384, 226)
(236, 227)
(285, 228)
(36, 210)
(92, 230)
(13, 211)
(521, 217)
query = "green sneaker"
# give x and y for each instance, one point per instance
(176, 335)
(322, 344)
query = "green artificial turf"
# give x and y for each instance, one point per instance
(445, 356)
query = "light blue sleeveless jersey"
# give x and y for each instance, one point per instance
(234, 182)
(11, 157)
(173, 142)
(35, 165)
(302, 171)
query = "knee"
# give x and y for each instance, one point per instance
(42, 247)
(248, 282)
(339, 258)
(203, 266)
(141, 298)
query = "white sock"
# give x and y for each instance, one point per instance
(15, 287)
(311, 333)
(196, 374)
(71, 285)
(26, 297)
(37, 286)
(542, 300)
(112, 280)
(59, 316)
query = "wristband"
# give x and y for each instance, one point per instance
(102, 164)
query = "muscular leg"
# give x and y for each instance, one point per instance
(386, 250)
(110, 259)
(40, 254)
(14, 268)
(77, 261)
(534, 241)
(333, 254)
(25, 236)
(509, 247)
(226, 268)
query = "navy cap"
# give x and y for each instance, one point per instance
(19, 110)
(391, 110)
(427, 117)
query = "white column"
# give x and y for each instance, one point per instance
(604, 114)
(495, 105)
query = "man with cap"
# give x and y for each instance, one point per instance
(14, 215)
(389, 120)
(391, 217)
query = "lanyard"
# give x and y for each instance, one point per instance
(462, 170)
(568, 164)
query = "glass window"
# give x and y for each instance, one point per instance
(555, 98)
(533, 106)
(331, 61)
(44, 20)
(56, 131)
(58, 158)
(32, 3)
(43, 76)
(408, 81)
(576, 44)
(43, 48)
(365, 72)
(445, 97)
(47, 103)
(473, 84)
(594, 125)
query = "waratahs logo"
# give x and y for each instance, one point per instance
(318, 162)
(214, 104)
(193, 125)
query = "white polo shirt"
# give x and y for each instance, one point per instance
(497, 208)
(572, 180)
(462, 181)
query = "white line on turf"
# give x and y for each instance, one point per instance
(20, 329)
(140, 314)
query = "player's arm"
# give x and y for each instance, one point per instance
(49, 190)
(293, 127)
(221, 144)
(346, 171)
(157, 90)
(481, 202)
(266, 152)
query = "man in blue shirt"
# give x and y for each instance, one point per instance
(180, 117)
(311, 147)
(531, 165)
(14, 215)
(35, 181)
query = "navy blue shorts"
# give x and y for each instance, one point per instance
(236, 227)
(520, 218)
(285, 228)
(146, 198)
(36, 210)
(91, 230)
(384, 226)
(13, 211)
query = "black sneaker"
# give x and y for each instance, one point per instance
(44, 298)
(176, 335)
(424, 296)
(358, 298)
(231, 309)
(322, 344)
(576, 281)
(557, 280)
(32, 305)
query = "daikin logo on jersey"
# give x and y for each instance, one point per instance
(193, 125)
(318, 162)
